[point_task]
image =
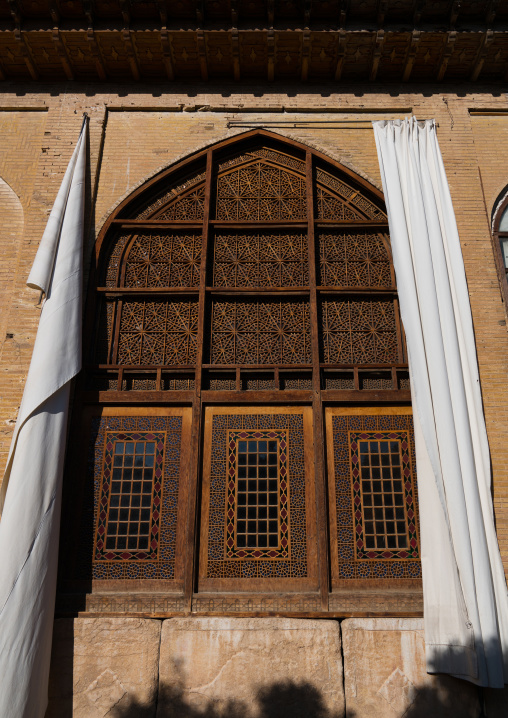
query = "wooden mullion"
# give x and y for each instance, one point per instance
(195, 452)
(116, 328)
(318, 429)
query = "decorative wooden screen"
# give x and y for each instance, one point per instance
(258, 255)
(258, 499)
(256, 275)
(373, 494)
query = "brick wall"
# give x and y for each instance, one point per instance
(132, 135)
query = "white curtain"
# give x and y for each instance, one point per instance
(465, 593)
(32, 486)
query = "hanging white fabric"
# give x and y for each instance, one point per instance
(465, 593)
(32, 485)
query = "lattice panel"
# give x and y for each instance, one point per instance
(189, 206)
(266, 153)
(168, 194)
(111, 278)
(261, 191)
(226, 558)
(120, 493)
(353, 260)
(260, 260)
(164, 260)
(360, 206)
(159, 333)
(376, 497)
(257, 332)
(104, 332)
(359, 332)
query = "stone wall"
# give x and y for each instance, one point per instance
(253, 668)
(133, 133)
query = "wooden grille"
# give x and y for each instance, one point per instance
(256, 272)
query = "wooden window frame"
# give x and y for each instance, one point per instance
(315, 397)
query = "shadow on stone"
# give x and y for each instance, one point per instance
(280, 700)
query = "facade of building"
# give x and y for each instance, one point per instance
(240, 517)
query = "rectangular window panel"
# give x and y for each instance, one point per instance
(373, 494)
(385, 523)
(132, 495)
(129, 521)
(258, 503)
(259, 495)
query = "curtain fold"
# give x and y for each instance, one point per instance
(465, 594)
(32, 485)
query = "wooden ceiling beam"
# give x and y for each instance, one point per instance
(487, 39)
(126, 12)
(203, 62)
(341, 55)
(270, 9)
(411, 55)
(343, 11)
(131, 54)
(376, 54)
(235, 53)
(166, 54)
(62, 53)
(163, 12)
(446, 54)
(200, 12)
(418, 8)
(54, 11)
(25, 52)
(455, 8)
(490, 14)
(15, 11)
(382, 7)
(305, 54)
(96, 53)
(271, 54)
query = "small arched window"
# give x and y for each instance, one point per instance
(251, 425)
(500, 234)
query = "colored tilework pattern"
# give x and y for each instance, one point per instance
(383, 500)
(257, 498)
(353, 556)
(128, 520)
(166, 433)
(224, 560)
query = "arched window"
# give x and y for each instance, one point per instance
(247, 389)
(500, 235)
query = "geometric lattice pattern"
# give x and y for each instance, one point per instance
(257, 506)
(337, 200)
(261, 191)
(359, 332)
(356, 561)
(164, 260)
(163, 434)
(224, 558)
(158, 333)
(260, 260)
(260, 332)
(176, 197)
(353, 260)
(383, 495)
(127, 528)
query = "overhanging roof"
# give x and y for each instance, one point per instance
(360, 41)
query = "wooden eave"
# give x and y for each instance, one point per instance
(238, 40)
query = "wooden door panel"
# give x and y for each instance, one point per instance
(258, 519)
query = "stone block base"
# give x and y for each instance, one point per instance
(104, 667)
(385, 675)
(250, 668)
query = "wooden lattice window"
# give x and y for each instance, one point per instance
(257, 254)
(245, 292)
